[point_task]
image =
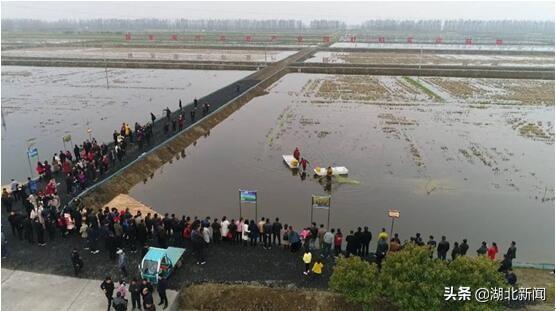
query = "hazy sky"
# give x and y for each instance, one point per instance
(350, 12)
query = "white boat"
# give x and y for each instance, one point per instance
(290, 161)
(336, 170)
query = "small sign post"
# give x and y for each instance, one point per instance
(32, 151)
(393, 214)
(248, 196)
(322, 202)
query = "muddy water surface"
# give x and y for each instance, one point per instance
(448, 167)
(48, 103)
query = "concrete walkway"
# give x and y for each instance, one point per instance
(33, 291)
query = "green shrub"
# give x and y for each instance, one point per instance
(410, 280)
(356, 279)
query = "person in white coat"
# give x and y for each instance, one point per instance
(245, 232)
(225, 223)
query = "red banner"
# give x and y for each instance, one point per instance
(248, 38)
(409, 39)
(381, 40)
(438, 40)
(326, 39)
(174, 37)
(222, 38)
(468, 41)
(128, 36)
(300, 39)
(499, 41)
(151, 37)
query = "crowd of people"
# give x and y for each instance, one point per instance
(91, 160)
(120, 231)
(140, 291)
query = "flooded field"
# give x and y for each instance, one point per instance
(492, 47)
(431, 59)
(154, 53)
(479, 167)
(47, 103)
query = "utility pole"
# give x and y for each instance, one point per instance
(105, 66)
(420, 61)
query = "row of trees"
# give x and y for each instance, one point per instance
(164, 24)
(411, 280)
(461, 25)
(437, 26)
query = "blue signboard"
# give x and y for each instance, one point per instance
(248, 196)
(33, 152)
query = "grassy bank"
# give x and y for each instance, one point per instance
(212, 296)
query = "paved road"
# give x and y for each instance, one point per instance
(46, 292)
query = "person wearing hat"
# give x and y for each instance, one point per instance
(122, 261)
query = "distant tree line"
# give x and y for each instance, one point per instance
(164, 24)
(461, 26)
(433, 25)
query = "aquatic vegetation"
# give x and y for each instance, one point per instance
(423, 88)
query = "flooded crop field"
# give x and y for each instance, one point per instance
(47, 103)
(468, 158)
(491, 47)
(431, 59)
(153, 53)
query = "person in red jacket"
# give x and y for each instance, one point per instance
(492, 251)
(304, 163)
(338, 242)
(296, 153)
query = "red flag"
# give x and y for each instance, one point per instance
(409, 39)
(381, 40)
(273, 38)
(174, 37)
(151, 37)
(352, 39)
(468, 41)
(248, 38)
(438, 40)
(499, 42)
(326, 39)
(222, 38)
(128, 36)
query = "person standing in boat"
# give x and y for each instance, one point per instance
(296, 153)
(304, 163)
